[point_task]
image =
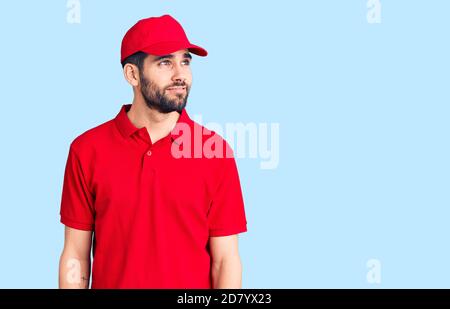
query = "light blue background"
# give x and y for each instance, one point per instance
(364, 122)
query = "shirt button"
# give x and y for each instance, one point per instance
(149, 153)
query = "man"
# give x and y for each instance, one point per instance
(155, 211)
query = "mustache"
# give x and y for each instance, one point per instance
(178, 85)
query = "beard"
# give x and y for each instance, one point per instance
(155, 98)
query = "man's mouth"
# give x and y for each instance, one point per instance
(177, 89)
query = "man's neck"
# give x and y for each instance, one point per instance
(158, 124)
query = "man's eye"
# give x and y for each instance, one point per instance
(167, 62)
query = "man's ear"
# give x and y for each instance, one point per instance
(131, 74)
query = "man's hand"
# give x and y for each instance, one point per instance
(75, 262)
(226, 269)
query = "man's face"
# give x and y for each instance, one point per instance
(166, 81)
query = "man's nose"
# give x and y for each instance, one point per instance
(179, 74)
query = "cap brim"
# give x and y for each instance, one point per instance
(166, 48)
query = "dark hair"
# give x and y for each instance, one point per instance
(136, 59)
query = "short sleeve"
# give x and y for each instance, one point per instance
(227, 214)
(77, 209)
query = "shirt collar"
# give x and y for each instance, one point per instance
(127, 128)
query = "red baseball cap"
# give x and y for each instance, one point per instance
(157, 36)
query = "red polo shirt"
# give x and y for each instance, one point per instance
(152, 213)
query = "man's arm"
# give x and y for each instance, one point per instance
(226, 269)
(75, 262)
